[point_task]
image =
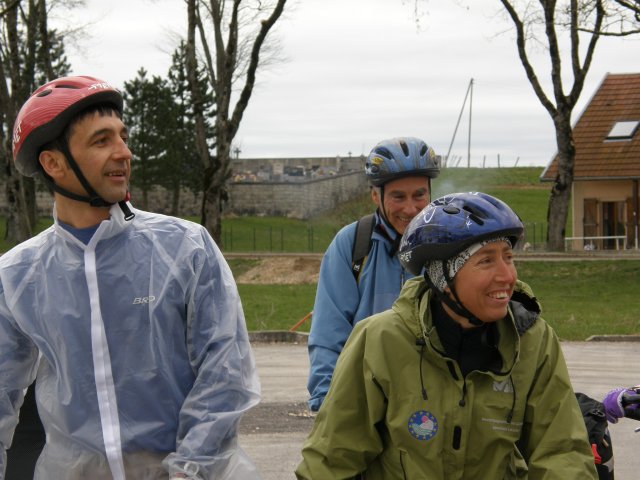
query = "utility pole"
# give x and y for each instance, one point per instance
(469, 138)
(469, 91)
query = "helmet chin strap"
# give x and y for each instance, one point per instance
(456, 305)
(93, 198)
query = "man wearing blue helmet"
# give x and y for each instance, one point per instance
(399, 171)
(460, 375)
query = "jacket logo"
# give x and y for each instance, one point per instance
(423, 425)
(504, 386)
(143, 300)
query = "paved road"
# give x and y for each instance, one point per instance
(273, 433)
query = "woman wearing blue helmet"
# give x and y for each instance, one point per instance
(461, 374)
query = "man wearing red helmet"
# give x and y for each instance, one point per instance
(130, 321)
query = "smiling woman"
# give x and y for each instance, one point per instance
(464, 336)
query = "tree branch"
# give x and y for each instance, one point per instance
(9, 7)
(522, 52)
(245, 94)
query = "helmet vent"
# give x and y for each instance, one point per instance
(451, 210)
(476, 219)
(73, 87)
(383, 152)
(467, 208)
(44, 93)
(472, 215)
(423, 150)
(405, 148)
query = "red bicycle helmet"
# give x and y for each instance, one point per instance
(46, 114)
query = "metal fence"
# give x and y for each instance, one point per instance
(535, 236)
(277, 239)
(316, 240)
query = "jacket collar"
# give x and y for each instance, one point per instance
(383, 231)
(413, 307)
(107, 229)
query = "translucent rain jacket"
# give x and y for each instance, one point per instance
(341, 302)
(145, 363)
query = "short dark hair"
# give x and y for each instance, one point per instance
(103, 109)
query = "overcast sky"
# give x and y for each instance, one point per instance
(359, 71)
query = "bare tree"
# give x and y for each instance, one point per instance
(624, 8)
(579, 19)
(238, 30)
(29, 53)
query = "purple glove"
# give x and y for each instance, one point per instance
(612, 402)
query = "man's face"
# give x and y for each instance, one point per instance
(486, 281)
(98, 145)
(402, 200)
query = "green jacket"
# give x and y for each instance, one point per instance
(398, 408)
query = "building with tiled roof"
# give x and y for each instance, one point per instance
(606, 171)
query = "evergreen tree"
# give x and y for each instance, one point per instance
(149, 117)
(184, 167)
(30, 53)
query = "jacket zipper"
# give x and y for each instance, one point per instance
(404, 472)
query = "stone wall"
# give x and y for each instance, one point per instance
(300, 200)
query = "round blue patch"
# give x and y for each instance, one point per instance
(423, 425)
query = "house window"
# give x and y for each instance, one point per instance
(623, 130)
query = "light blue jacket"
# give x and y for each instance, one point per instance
(341, 302)
(143, 347)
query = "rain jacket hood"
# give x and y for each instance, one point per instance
(144, 354)
(399, 408)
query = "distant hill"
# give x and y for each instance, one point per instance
(520, 187)
(481, 179)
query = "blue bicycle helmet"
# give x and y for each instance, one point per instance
(398, 158)
(450, 224)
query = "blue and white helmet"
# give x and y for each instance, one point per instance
(450, 224)
(398, 158)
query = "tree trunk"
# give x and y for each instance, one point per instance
(560, 197)
(175, 199)
(26, 34)
(211, 208)
(31, 207)
(215, 179)
(18, 226)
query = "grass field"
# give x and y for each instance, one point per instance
(519, 187)
(584, 298)
(579, 298)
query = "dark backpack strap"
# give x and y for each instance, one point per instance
(361, 244)
(599, 437)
